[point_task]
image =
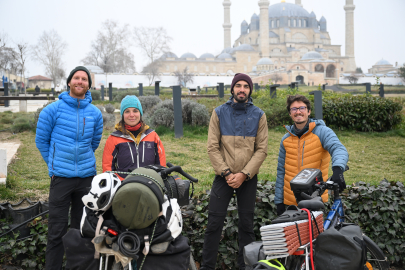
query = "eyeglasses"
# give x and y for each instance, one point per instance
(294, 109)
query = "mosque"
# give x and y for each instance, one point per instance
(284, 42)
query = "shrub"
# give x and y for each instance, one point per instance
(379, 210)
(36, 114)
(101, 108)
(119, 95)
(362, 113)
(21, 124)
(148, 102)
(109, 108)
(108, 120)
(163, 113)
(95, 95)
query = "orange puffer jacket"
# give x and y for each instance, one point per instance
(313, 150)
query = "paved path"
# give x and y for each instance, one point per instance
(11, 149)
(32, 105)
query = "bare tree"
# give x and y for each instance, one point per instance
(153, 42)
(276, 77)
(21, 54)
(152, 71)
(352, 78)
(184, 77)
(7, 54)
(49, 51)
(110, 49)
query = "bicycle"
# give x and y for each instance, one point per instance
(107, 262)
(335, 217)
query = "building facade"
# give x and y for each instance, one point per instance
(284, 40)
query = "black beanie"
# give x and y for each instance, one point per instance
(242, 77)
(77, 69)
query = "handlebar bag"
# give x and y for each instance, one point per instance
(340, 248)
(177, 188)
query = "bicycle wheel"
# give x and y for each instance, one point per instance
(192, 263)
(375, 257)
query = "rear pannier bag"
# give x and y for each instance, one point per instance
(253, 253)
(340, 248)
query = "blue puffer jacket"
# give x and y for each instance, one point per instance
(68, 132)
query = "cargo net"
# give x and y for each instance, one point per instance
(283, 239)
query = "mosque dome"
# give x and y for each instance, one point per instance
(224, 55)
(168, 55)
(226, 50)
(188, 55)
(383, 62)
(264, 61)
(322, 19)
(207, 55)
(243, 47)
(312, 55)
(287, 9)
(312, 15)
(254, 17)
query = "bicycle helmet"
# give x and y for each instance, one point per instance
(102, 191)
(268, 265)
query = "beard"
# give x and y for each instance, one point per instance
(240, 100)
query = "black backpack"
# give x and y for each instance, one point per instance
(341, 248)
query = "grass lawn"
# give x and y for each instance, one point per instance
(373, 157)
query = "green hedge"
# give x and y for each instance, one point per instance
(340, 111)
(379, 210)
(362, 113)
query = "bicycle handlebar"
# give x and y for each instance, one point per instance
(178, 169)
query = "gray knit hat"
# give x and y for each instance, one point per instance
(77, 69)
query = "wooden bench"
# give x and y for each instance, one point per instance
(23, 100)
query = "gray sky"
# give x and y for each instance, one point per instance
(196, 26)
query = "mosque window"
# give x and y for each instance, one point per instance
(330, 71)
(298, 67)
(289, 23)
(295, 23)
(341, 69)
(207, 68)
(305, 23)
(278, 23)
(299, 23)
(319, 68)
(248, 58)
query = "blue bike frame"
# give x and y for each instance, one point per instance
(336, 215)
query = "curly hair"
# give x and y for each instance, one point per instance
(292, 99)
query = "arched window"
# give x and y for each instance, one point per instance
(305, 23)
(299, 23)
(278, 23)
(295, 23)
(298, 67)
(330, 71)
(289, 23)
(319, 68)
(272, 24)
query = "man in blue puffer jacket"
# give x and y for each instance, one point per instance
(68, 132)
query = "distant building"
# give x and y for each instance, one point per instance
(284, 38)
(42, 82)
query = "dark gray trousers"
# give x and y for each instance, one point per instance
(63, 193)
(221, 194)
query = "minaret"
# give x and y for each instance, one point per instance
(349, 8)
(298, 2)
(227, 23)
(264, 27)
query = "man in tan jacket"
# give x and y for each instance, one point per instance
(237, 146)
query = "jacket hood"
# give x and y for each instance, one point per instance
(317, 122)
(74, 102)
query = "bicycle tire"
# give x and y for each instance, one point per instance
(192, 263)
(375, 256)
